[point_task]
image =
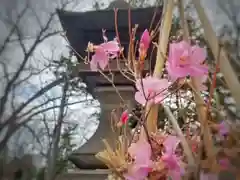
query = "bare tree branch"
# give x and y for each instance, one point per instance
(51, 170)
(35, 96)
(27, 54)
(41, 105)
(11, 32)
(231, 10)
(46, 102)
(15, 126)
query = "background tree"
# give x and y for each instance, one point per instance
(38, 90)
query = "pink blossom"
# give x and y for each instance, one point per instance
(185, 60)
(223, 128)
(170, 144)
(172, 161)
(137, 173)
(143, 47)
(151, 89)
(124, 117)
(145, 39)
(103, 53)
(144, 43)
(141, 153)
(224, 163)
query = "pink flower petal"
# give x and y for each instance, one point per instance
(103, 53)
(100, 58)
(177, 72)
(145, 39)
(151, 89)
(174, 53)
(139, 97)
(223, 128)
(110, 47)
(185, 60)
(198, 54)
(94, 64)
(124, 117)
(224, 163)
(141, 152)
(171, 160)
(184, 45)
(171, 143)
(173, 164)
(136, 173)
(198, 70)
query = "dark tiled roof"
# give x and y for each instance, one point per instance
(82, 27)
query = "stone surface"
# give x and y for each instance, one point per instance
(85, 175)
(102, 175)
(84, 157)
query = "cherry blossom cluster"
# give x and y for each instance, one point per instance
(161, 155)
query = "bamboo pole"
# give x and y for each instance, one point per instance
(183, 20)
(225, 66)
(160, 59)
(201, 110)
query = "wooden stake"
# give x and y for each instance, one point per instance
(225, 66)
(160, 60)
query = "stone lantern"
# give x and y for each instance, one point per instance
(82, 27)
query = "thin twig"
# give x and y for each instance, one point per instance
(117, 91)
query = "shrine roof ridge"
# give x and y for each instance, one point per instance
(96, 20)
(84, 27)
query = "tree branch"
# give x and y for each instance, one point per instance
(35, 96)
(51, 170)
(8, 38)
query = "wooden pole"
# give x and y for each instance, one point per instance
(201, 110)
(225, 66)
(160, 60)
